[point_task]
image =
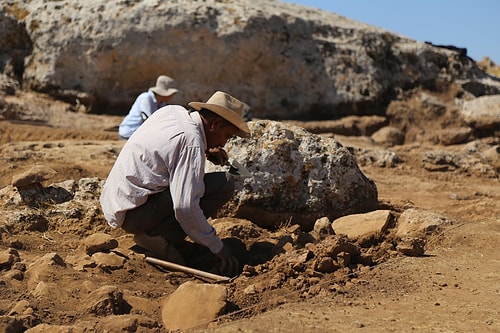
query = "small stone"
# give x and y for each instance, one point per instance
(35, 175)
(99, 242)
(250, 290)
(413, 247)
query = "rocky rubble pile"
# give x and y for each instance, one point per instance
(53, 233)
(75, 249)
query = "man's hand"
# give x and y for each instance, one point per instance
(217, 156)
(228, 264)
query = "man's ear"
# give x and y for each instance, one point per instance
(216, 123)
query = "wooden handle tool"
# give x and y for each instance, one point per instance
(189, 270)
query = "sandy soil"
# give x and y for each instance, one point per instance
(454, 287)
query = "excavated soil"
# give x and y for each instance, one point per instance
(453, 287)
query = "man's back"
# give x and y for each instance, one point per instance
(151, 158)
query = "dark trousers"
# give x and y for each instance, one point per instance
(156, 216)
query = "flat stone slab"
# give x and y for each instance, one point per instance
(358, 225)
(193, 304)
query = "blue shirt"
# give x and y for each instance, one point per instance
(144, 106)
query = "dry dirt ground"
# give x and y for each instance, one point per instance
(454, 287)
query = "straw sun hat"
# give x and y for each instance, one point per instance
(165, 86)
(228, 108)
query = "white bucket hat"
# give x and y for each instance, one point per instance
(165, 86)
(228, 108)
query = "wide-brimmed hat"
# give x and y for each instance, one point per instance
(165, 86)
(228, 108)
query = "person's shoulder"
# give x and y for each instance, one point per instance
(146, 94)
(173, 108)
(169, 111)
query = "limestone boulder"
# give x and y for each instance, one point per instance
(482, 112)
(284, 60)
(296, 176)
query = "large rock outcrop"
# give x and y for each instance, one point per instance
(297, 177)
(284, 60)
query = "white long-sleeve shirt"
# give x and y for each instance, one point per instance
(167, 150)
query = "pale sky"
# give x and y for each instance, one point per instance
(474, 25)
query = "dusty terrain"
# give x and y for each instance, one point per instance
(454, 287)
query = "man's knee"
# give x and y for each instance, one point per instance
(131, 228)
